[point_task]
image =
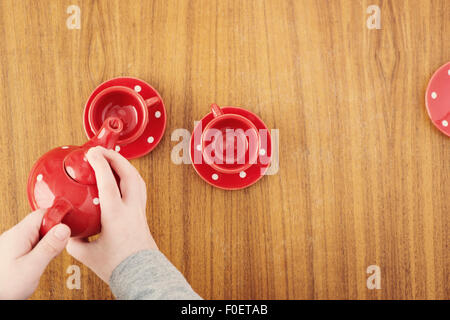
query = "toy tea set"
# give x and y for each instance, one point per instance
(230, 149)
(127, 114)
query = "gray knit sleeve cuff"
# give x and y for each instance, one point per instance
(148, 275)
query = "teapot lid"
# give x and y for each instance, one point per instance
(76, 164)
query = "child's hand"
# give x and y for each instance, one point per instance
(124, 223)
(23, 258)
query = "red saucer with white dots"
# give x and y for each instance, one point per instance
(438, 99)
(156, 123)
(241, 179)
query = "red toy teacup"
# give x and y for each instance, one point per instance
(230, 148)
(125, 104)
(230, 142)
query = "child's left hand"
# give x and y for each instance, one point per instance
(23, 258)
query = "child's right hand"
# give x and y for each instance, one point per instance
(124, 223)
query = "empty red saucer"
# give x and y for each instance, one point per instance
(155, 127)
(238, 180)
(437, 99)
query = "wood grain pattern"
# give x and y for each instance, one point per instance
(364, 176)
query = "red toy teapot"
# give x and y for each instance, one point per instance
(63, 181)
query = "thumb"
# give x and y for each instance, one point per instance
(49, 247)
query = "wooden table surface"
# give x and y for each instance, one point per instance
(363, 175)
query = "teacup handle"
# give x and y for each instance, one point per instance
(152, 102)
(54, 215)
(215, 109)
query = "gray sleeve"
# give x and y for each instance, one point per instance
(148, 275)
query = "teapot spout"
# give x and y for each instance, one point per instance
(108, 134)
(76, 164)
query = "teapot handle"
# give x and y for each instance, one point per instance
(54, 215)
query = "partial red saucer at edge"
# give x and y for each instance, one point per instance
(237, 180)
(156, 123)
(437, 99)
